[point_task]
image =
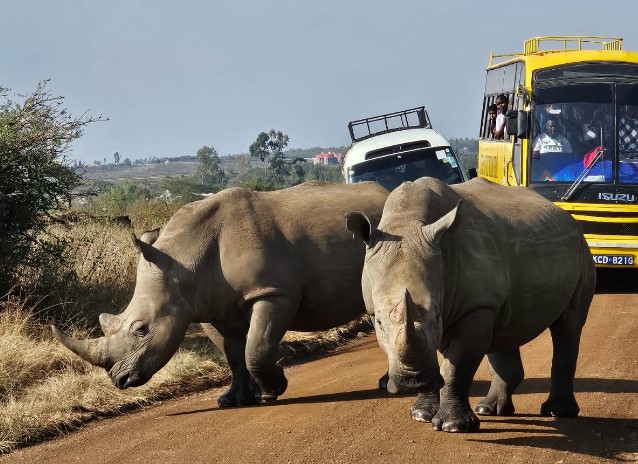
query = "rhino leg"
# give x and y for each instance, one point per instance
(507, 374)
(565, 339)
(269, 322)
(468, 342)
(233, 346)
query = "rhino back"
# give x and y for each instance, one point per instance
(243, 244)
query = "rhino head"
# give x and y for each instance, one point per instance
(403, 287)
(142, 339)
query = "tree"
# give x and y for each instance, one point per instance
(36, 174)
(269, 148)
(208, 168)
(116, 158)
(242, 165)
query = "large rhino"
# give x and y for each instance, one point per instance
(252, 264)
(473, 269)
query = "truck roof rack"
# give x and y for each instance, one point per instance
(391, 122)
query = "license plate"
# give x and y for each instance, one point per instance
(614, 260)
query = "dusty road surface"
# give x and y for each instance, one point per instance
(332, 412)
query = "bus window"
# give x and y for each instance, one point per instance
(582, 120)
(627, 133)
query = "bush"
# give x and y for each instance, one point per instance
(36, 177)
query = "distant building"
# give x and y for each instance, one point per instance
(328, 157)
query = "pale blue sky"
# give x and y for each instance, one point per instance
(175, 75)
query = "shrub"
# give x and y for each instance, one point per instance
(36, 176)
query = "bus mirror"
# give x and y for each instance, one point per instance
(517, 123)
(511, 123)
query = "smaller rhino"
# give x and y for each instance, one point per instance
(473, 269)
(247, 265)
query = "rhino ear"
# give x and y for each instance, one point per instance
(435, 231)
(150, 236)
(360, 226)
(151, 254)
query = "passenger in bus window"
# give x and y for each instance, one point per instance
(628, 132)
(491, 120)
(501, 106)
(550, 140)
(580, 129)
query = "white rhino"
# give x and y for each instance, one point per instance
(473, 269)
(252, 264)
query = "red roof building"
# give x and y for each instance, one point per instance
(328, 157)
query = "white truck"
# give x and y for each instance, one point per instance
(396, 147)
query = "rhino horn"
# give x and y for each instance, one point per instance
(110, 323)
(410, 340)
(91, 350)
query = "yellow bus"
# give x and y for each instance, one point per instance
(571, 133)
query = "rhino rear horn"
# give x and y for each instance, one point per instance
(110, 323)
(91, 350)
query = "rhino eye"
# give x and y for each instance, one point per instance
(141, 330)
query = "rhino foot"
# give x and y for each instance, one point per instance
(267, 394)
(491, 407)
(232, 399)
(563, 408)
(425, 407)
(456, 418)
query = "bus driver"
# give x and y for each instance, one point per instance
(550, 141)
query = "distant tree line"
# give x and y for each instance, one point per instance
(462, 145)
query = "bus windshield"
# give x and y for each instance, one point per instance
(390, 171)
(585, 133)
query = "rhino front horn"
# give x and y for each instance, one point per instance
(409, 343)
(91, 350)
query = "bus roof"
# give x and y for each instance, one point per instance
(566, 49)
(358, 150)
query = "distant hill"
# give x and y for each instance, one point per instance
(182, 166)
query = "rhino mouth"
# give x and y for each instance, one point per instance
(414, 383)
(125, 380)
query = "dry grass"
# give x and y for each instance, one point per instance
(45, 390)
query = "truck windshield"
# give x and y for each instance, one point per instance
(390, 171)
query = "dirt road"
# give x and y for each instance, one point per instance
(332, 412)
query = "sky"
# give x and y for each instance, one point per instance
(172, 76)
